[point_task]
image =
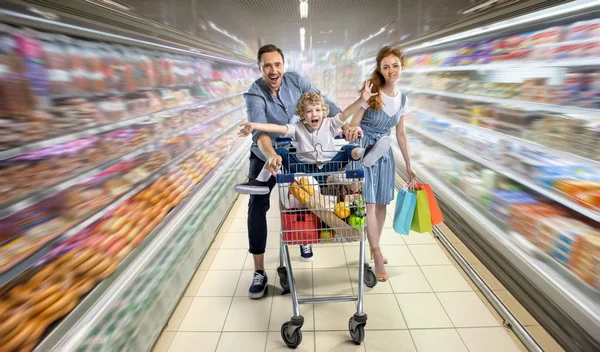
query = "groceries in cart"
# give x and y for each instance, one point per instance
(314, 137)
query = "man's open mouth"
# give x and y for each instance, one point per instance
(274, 78)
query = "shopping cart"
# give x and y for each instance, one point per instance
(320, 206)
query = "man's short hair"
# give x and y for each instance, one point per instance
(269, 48)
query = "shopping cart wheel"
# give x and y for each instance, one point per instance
(357, 331)
(291, 338)
(283, 279)
(370, 277)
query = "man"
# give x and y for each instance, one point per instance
(271, 99)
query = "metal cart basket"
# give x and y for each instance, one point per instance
(319, 206)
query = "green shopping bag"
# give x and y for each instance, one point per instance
(421, 221)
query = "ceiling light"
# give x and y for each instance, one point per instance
(303, 8)
(302, 38)
(477, 7)
(560, 10)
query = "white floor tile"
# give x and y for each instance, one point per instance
(408, 279)
(388, 341)
(383, 313)
(206, 314)
(282, 312)
(229, 259)
(466, 310)
(447, 340)
(179, 314)
(331, 282)
(194, 341)
(337, 341)
(445, 278)
(423, 311)
(252, 341)
(488, 340)
(246, 314)
(429, 254)
(220, 283)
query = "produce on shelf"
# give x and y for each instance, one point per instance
(73, 268)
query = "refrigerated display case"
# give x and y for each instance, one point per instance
(506, 128)
(117, 162)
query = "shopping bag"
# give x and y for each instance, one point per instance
(421, 221)
(434, 208)
(406, 202)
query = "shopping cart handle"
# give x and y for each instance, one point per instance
(283, 140)
(357, 173)
(285, 178)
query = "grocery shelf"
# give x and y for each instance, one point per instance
(11, 153)
(520, 141)
(94, 311)
(527, 105)
(573, 297)
(17, 270)
(585, 62)
(48, 192)
(490, 164)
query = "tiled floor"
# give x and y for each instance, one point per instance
(427, 304)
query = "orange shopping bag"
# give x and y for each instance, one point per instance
(434, 208)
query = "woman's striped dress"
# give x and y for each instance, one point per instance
(380, 178)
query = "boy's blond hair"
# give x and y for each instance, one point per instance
(313, 98)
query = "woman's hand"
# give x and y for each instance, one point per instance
(246, 129)
(366, 93)
(412, 176)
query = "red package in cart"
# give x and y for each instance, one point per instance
(300, 227)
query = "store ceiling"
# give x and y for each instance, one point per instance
(333, 24)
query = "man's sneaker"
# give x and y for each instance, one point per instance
(306, 253)
(259, 285)
(375, 151)
(252, 187)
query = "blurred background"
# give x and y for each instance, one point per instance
(119, 151)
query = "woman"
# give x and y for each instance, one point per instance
(377, 117)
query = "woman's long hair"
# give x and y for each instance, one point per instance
(377, 79)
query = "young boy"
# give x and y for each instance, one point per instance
(315, 141)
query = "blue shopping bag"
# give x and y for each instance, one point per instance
(406, 202)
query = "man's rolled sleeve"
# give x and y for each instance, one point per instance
(255, 109)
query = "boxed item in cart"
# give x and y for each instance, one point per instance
(585, 260)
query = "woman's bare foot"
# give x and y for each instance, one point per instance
(379, 265)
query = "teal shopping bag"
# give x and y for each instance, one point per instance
(406, 202)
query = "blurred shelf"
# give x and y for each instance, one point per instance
(173, 249)
(11, 153)
(550, 193)
(520, 141)
(586, 62)
(38, 196)
(569, 293)
(27, 263)
(526, 105)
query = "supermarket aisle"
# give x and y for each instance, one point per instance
(427, 305)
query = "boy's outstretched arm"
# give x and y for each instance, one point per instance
(249, 127)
